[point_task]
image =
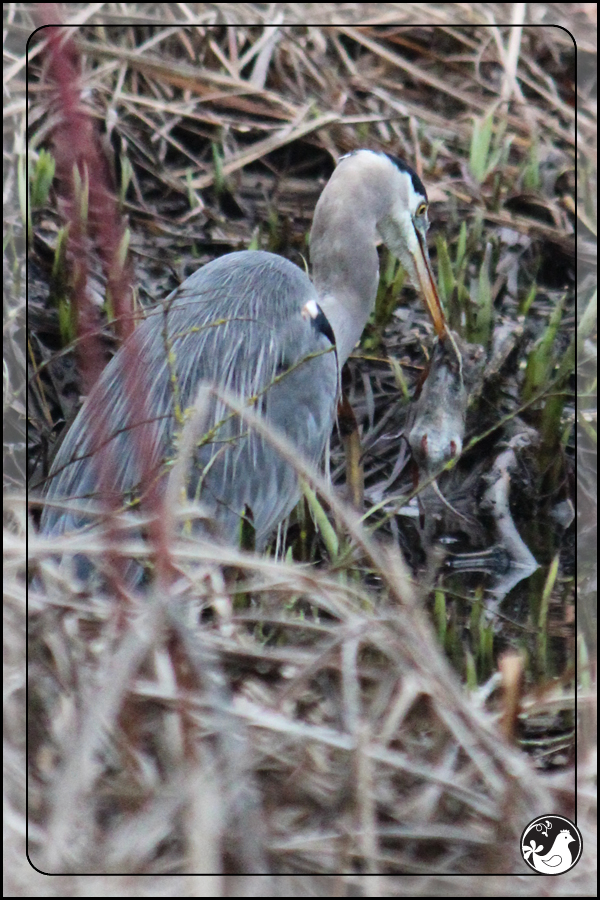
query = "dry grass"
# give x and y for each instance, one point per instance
(259, 715)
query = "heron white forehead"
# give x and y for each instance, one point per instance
(413, 198)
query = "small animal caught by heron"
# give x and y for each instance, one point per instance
(255, 325)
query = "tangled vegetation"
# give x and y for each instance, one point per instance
(379, 698)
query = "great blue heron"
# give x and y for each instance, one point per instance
(254, 324)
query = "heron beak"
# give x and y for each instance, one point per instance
(428, 288)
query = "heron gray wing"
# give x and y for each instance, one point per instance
(237, 323)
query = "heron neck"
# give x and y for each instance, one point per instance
(345, 268)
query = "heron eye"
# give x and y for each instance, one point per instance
(421, 209)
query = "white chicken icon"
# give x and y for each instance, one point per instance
(557, 860)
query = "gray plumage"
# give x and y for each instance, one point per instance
(249, 322)
(260, 337)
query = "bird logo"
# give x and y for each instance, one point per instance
(557, 850)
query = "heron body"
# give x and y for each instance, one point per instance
(254, 324)
(263, 337)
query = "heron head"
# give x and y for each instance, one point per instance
(370, 197)
(403, 229)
